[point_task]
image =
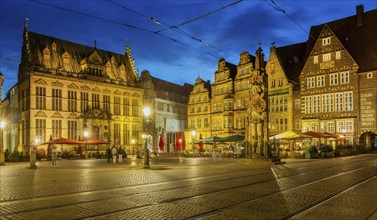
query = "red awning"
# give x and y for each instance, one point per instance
(63, 141)
(94, 141)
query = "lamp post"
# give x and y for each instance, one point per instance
(2, 158)
(193, 133)
(146, 112)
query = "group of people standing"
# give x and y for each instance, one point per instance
(114, 153)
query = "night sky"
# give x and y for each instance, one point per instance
(165, 37)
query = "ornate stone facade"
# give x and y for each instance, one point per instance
(65, 88)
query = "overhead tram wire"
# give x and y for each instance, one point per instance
(277, 8)
(123, 24)
(176, 27)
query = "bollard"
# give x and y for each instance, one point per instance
(33, 158)
(2, 158)
(146, 159)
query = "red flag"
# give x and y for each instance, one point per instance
(183, 142)
(161, 143)
(177, 144)
(201, 141)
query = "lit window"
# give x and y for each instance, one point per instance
(337, 55)
(334, 79)
(315, 59)
(370, 75)
(344, 77)
(326, 41)
(326, 57)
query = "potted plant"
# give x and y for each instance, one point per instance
(311, 152)
(326, 151)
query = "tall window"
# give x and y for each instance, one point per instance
(116, 105)
(206, 123)
(95, 101)
(84, 103)
(117, 133)
(40, 130)
(192, 123)
(57, 99)
(349, 126)
(135, 132)
(340, 126)
(311, 82)
(40, 99)
(56, 128)
(199, 123)
(316, 104)
(72, 130)
(106, 103)
(321, 81)
(126, 106)
(126, 134)
(334, 79)
(330, 127)
(344, 77)
(339, 101)
(135, 107)
(348, 97)
(72, 101)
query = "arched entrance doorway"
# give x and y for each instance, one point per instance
(368, 141)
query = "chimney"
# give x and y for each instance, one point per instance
(359, 14)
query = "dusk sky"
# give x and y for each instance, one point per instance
(224, 29)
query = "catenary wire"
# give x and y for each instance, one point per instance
(176, 27)
(123, 24)
(276, 7)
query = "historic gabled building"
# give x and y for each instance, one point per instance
(222, 99)
(339, 79)
(199, 111)
(65, 89)
(283, 68)
(168, 104)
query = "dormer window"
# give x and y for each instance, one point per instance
(65, 58)
(326, 41)
(46, 54)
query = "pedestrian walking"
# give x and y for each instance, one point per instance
(120, 155)
(108, 154)
(54, 154)
(114, 151)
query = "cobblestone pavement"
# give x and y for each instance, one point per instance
(191, 188)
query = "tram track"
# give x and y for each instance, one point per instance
(205, 181)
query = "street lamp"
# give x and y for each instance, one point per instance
(146, 112)
(2, 158)
(193, 133)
